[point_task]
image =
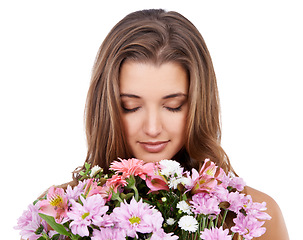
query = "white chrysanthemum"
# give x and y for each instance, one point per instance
(184, 207)
(173, 183)
(95, 170)
(188, 223)
(170, 221)
(170, 168)
(185, 181)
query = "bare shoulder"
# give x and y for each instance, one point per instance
(275, 228)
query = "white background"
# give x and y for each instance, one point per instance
(46, 54)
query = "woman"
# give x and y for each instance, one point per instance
(153, 96)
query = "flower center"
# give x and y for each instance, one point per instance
(56, 200)
(85, 215)
(134, 220)
(211, 171)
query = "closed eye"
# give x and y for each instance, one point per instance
(177, 109)
(131, 110)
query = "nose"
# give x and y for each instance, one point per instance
(152, 124)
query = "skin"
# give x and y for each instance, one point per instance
(154, 99)
(276, 227)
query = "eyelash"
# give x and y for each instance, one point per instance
(177, 109)
(126, 110)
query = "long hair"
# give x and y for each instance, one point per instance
(154, 36)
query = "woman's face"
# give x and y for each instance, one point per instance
(155, 107)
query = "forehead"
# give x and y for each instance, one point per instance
(147, 78)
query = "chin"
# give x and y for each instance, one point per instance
(155, 158)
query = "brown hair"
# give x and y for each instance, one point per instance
(154, 36)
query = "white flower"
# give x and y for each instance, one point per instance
(170, 168)
(185, 181)
(173, 182)
(184, 207)
(170, 221)
(95, 170)
(188, 223)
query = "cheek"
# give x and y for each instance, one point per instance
(177, 126)
(130, 125)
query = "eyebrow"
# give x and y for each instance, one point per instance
(165, 97)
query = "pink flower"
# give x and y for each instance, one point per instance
(203, 203)
(207, 179)
(236, 201)
(109, 234)
(256, 209)
(215, 234)
(115, 182)
(29, 222)
(211, 170)
(91, 187)
(135, 217)
(248, 226)
(55, 205)
(237, 183)
(156, 182)
(160, 234)
(82, 216)
(106, 192)
(221, 193)
(75, 193)
(133, 167)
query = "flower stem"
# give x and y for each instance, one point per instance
(45, 235)
(216, 221)
(224, 217)
(132, 185)
(136, 193)
(115, 196)
(203, 223)
(211, 223)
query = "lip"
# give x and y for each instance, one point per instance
(154, 147)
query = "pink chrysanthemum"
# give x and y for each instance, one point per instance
(256, 209)
(248, 226)
(236, 201)
(237, 183)
(160, 234)
(136, 217)
(109, 234)
(75, 192)
(29, 223)
(91, 212)
(55, 205)
(215, 234)
(203, 203)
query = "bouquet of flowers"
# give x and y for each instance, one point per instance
(153, 201)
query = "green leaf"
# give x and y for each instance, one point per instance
(39, 230)
(56, 237)
(87, 166)
(127, 196)
(59, 228)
